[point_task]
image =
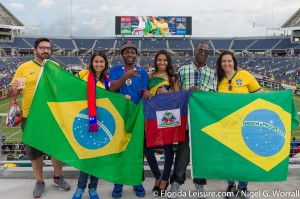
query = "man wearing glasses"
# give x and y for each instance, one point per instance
(195, 76)
(25, 79)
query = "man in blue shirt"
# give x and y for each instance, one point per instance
(129, 79)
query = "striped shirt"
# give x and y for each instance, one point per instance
(190, 75)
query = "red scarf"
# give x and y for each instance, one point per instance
(92, 112)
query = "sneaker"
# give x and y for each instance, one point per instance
(117, 191)
(93, 194)
(78, 193)
(199, 189)
(61, 183)
(139, 190)
(38, 189)
(173, 192)
(230, 191)
(244, 194)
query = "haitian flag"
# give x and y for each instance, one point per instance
(165, 118)
(58, 126)
(243, 137)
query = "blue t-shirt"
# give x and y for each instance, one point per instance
(132, 86)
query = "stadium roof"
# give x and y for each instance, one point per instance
(7, 18)
(293, 21)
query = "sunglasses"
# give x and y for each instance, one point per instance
(230, 85)
(201, 51)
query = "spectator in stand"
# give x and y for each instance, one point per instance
(132, 80)
(232, 80)
(98, 67)
(30, 70)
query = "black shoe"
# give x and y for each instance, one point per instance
(230, 191)
(161, 192)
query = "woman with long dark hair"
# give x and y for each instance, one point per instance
(162, 80)
(97, 70)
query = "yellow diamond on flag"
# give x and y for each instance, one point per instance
(259, 132)
(74, 124)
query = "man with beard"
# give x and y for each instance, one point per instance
(132, 81)
(30, 72)
(195, 76)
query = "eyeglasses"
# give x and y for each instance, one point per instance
(44, 48)
(201, 51)
(230, 85)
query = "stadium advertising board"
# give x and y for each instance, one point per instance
(153, 25)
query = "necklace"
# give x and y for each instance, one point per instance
(160, 74)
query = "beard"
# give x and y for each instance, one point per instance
(43, 56)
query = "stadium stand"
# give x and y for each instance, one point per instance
(272, 58)
(221, 44)
(20, 43)
(239, 45)
(104, 44)
(66, 44)
(263, 44)
(85, 44)
(153, 44)
(180, 44)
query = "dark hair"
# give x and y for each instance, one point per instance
(219, 70)
(38, 41)
(201, 43)
(172, 77)
(91, 68)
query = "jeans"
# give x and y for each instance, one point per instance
(182, 159)
(83, 178)
(242, 185)
(169, 156)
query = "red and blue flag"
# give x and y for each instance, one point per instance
(166, 118)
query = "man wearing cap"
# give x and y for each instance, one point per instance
(129, 79)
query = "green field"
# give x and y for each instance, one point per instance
(14, 134)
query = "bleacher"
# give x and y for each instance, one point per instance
(221, 44)
(104, 44)
(63, 43)
(67, 61)
(284, 44)
(151, 45)
(239, 45)
(20, 43)
(281, 69)
(263, 44)
(31, 41)
(180, 44)
(85, 44)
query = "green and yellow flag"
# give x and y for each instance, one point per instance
(244, 137)
(58, 125)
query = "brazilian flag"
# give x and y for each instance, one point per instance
(58, 126)
(244, 137)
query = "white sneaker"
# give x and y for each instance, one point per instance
(173, 192)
